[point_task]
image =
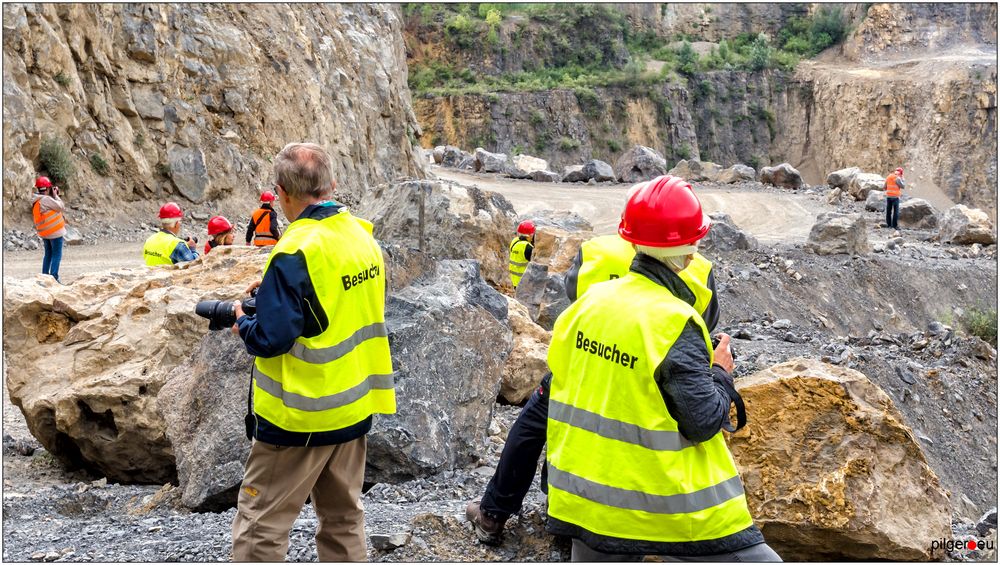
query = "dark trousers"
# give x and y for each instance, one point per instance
(892, 212)
(519, 458)
(52, 257)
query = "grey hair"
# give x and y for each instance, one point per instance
(303, 171)
(169, 222)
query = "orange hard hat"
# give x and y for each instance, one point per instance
(268, 196)
(526, 227)
(218, 224)
(664, 213)
(170, 210)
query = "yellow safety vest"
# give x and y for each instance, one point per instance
(618, 466)
(518, 262)
(159, 247)
(343, 375)
(609, 257)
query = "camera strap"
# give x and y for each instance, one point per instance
(250, 420)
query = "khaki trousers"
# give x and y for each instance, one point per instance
(275, 486)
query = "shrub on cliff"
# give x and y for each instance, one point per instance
(54, 158)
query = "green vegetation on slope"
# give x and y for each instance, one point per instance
(585, 49)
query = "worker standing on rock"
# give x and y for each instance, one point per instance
(47, 212)
(520, 251)
(322, 369)
(263, 227)
(165, 247)
(220, 232)
(600, 259)
(637, 461)
(894, 185)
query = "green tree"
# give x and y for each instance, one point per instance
(687, 59)
(760, 53)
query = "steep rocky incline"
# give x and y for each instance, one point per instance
(191, 101)
(914, 85)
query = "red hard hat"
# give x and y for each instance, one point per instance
(268, 196)
(170, 210)
(43, 182)
(664, 213)
(899, 171)
(218, 224)
(526, 227)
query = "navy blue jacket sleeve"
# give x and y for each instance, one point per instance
(183, 253)
(711, 314)
(280, 317)
(691, 388)
(573, 275)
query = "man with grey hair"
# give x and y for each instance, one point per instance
(638, 401)
(322, 369)
(165, 247)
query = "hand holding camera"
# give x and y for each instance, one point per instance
(223, 314)
(724, 355)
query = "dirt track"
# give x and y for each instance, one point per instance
(772, 217)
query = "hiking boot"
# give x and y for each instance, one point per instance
(488, 530)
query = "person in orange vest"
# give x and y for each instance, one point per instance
(220, 232)
(47, 211)
(894, 186)
(263, 226)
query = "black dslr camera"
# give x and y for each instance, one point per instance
(221, 314)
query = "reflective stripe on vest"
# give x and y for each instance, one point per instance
(892, 187)
(46, 223)
(618, 465)
(518, 262)
(609, 257)
(262, 234)
(342, 376)
(159, 247)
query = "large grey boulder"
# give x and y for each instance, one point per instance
(452, 156)
(724, 235)
(965, 225)
(835, 233)
(694, 170)
(737, 173)
(842, 178)
(917, 213)
(863, 183)
(783, 175)
(599, 171)
(544, 294)
(459, 222)
(522, 166)
(446, 379)
(562, 219)
(188, 171)
(574, 173)
(545, 176)
(73, 236)
(203, 403)
(640, 163)
(437, 154)
(487, 162)
(875, 201)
